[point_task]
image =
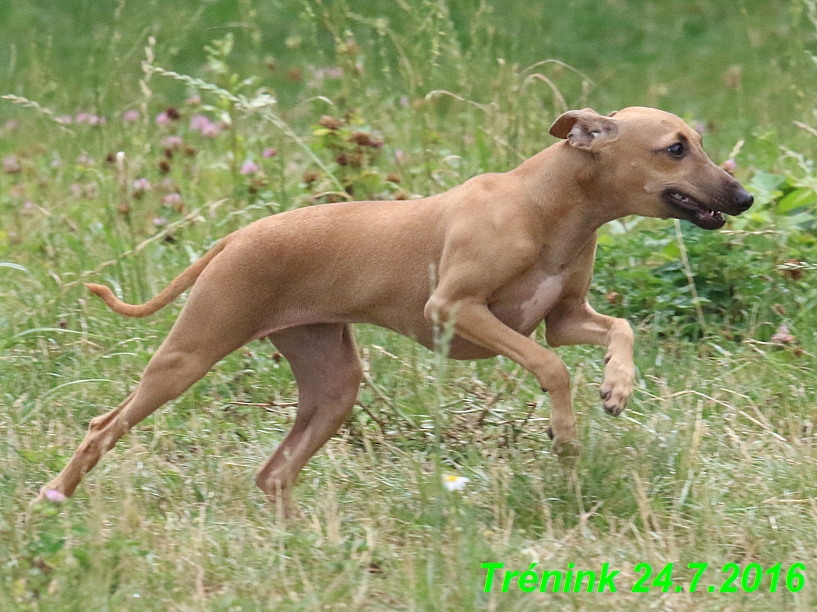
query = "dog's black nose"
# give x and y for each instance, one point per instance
(744, 200)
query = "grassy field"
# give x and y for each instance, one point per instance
(713, 461)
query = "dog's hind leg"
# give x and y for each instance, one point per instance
(327, 370)
(201, 336)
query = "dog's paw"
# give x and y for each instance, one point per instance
(617, 386)
(48, 496)
(566, 440)
(568, 452)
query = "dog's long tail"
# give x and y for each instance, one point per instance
(170, 293)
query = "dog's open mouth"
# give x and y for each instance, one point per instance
(694, 211)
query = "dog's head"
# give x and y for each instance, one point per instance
(651, 163)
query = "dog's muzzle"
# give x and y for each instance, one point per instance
(707, 216)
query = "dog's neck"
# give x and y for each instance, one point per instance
(571, 201)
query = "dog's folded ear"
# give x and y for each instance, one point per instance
(584, 128)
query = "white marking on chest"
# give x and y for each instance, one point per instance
(542, 300)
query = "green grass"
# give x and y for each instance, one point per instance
(712, 462)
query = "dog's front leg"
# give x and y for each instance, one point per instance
(473, 321)
(577, 323)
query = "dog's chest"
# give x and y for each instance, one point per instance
(524, 305)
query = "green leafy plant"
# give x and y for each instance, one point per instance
(355, 149)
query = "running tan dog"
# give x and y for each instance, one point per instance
(509, 251)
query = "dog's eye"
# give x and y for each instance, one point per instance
(676, 150)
